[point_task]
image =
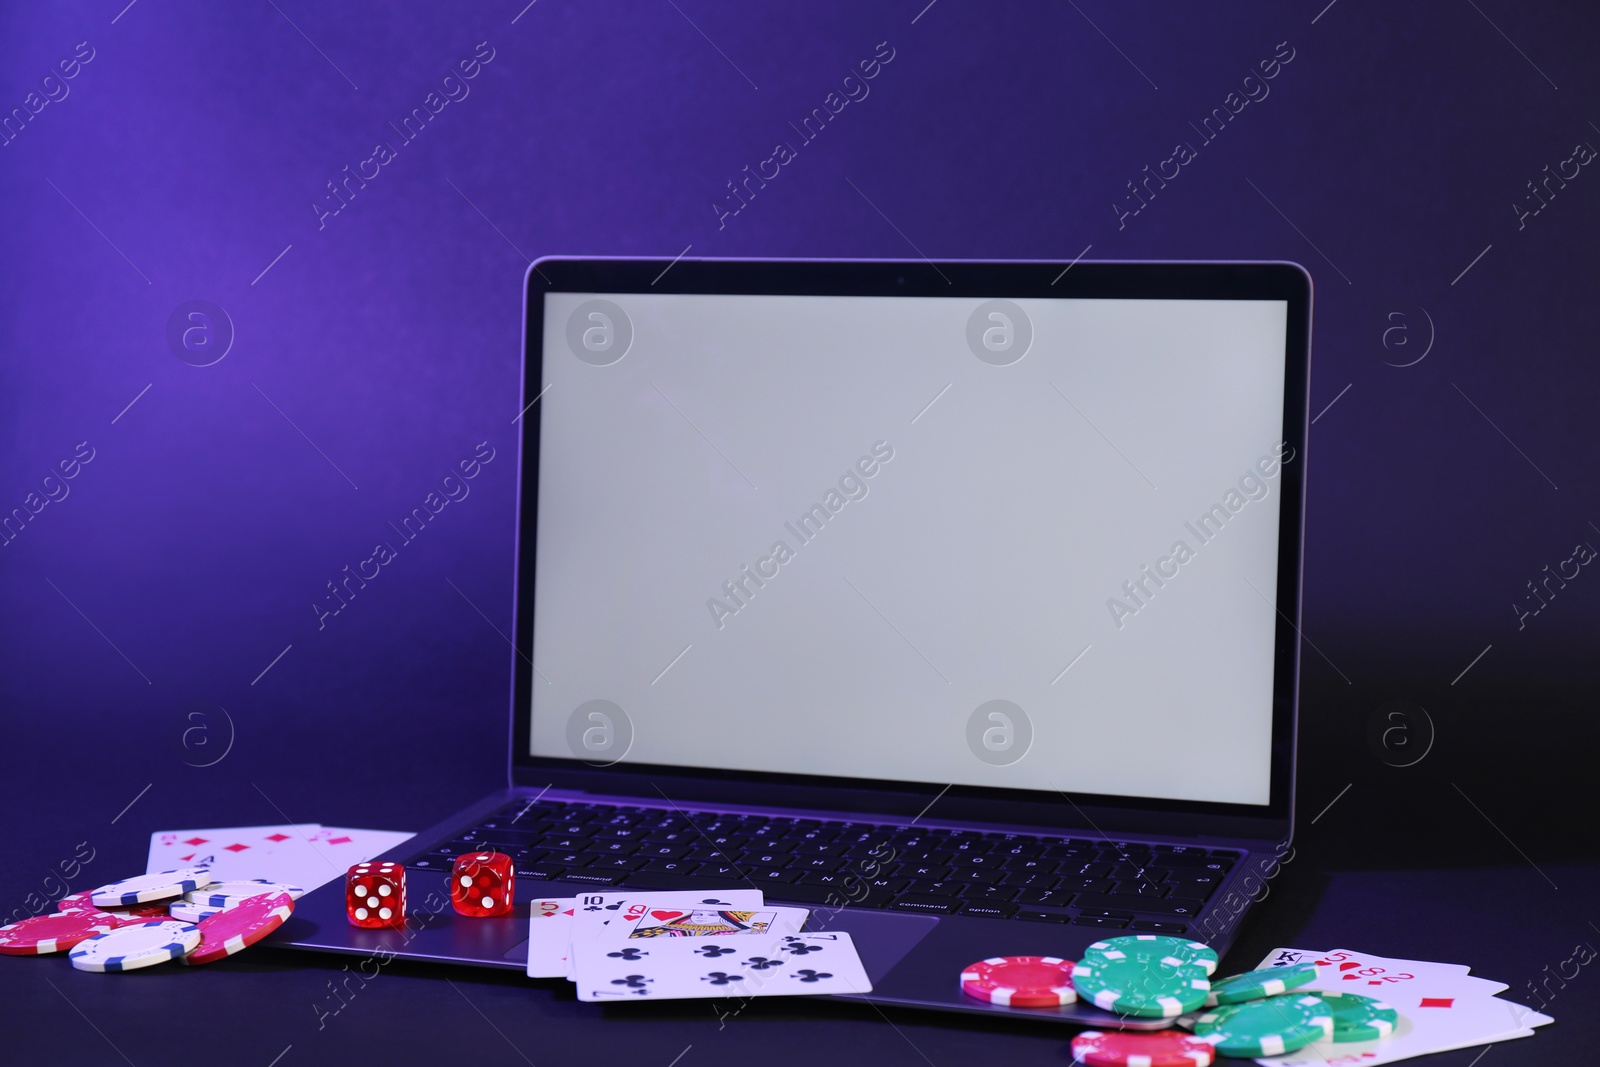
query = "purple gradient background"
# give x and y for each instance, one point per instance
(199, 135)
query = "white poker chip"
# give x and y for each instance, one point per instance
(143, 888)
(128, 948)
(184, 911)
(226, 894)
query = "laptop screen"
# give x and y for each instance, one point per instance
(1029, 544)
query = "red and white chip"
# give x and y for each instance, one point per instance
(239, 927)
(1020, 981)
(133, 913)
(44, 934)
(1164, 1048)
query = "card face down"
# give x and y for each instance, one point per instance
(746, 965)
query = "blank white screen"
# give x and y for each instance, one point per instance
(982, 560)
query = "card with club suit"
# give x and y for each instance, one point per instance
(745, 965)
(595, 914)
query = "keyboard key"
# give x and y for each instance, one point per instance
(1095, 913)
(1141, 889)
(989, 910)
(774, 877)
(432, 863)
(932, 872)
(669, 867)
(1183, 908)
(1040, 915)
(817, 863)
(588, 877)
(612, 848)
(563, 842)
(542, 871)
(1044, 896)
(621, 833)
(1148, 926)
(929, 887)
(1100, 921)
(988, 892)
(570, 859)
(616, 863)
(1029, 879)
(929, 905)
(831, 896)
(976, 877)
(663, 852)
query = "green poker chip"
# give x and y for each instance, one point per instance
(1148, 988)
(1174, 950)
(1266, 1027)
(1256, 985)
(1358, 1018)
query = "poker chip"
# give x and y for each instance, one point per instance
(1358, 1018)
(1164, 1048)
(1266, 1027)
(184, 911)
(1256, 985)
(237, 928)
(1153, 946)
(1020, 981)
(141, 889)
(44, 934)
(79, 903)
(223, 894)
(128, 948)
(1139, 986)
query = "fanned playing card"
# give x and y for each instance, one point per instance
(747, 965)
(549, 935)
(607, 913)
(709, 922)
(1440, 1005)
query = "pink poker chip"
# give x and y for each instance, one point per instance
(133, 913)
(44, 934)
(239, 927)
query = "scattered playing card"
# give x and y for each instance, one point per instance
(746, 965)
(303, 854)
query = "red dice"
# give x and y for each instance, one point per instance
(483, 884)
(375, 895)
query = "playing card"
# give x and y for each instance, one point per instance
(747, 965)
(708, 922)
(236, 852)
(303, 854)
(1350, 971)
(595, 913)
(1434, 1024)
(549, 935)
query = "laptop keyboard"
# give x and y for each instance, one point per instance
(1116, 885)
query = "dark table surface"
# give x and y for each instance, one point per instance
(1347, 886)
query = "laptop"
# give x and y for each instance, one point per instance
(954, 601)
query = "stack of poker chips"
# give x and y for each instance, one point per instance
(155, 918)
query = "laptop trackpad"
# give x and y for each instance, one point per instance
(882, 938)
